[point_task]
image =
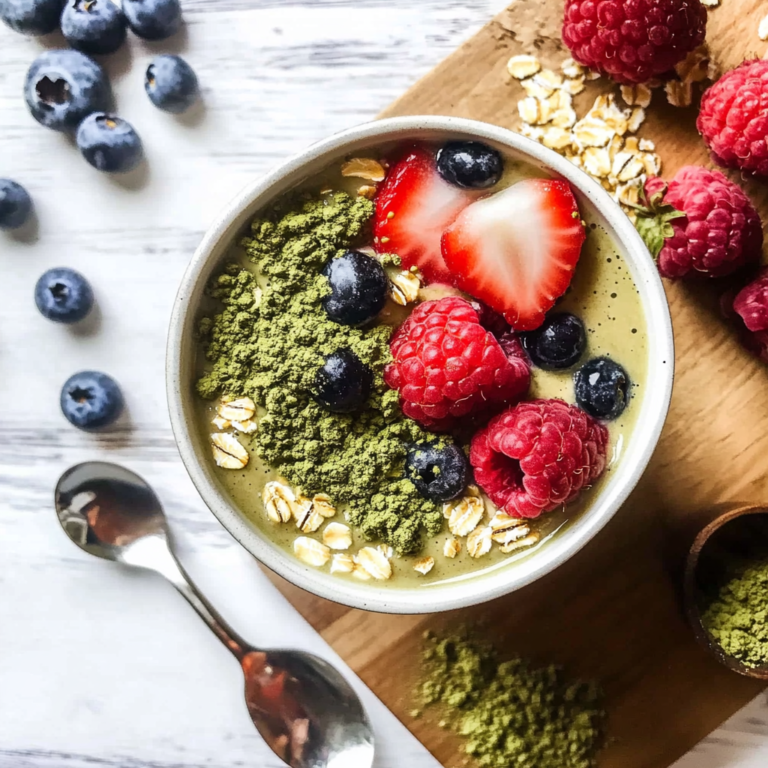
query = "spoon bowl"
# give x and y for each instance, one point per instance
(303, 708)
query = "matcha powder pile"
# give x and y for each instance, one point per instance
(511, 714)
(268, 342)
(737, 616)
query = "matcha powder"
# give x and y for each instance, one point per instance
(737, 615)
(511, 714)
(268, 342)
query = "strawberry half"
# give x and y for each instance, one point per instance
(413, 208)
(517, 250)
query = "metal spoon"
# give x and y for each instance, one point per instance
(306, 712)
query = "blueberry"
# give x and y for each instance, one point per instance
(93, 26)
(470, 164)
(602, 388)
(31, 17)
(439, 474)
(153, 19)
(109, 143)
(91, 400)
(171, 84)
(64, 87)
(15, 205)
(63, 295)
(558, 343)
(359, 287)
(343, 383)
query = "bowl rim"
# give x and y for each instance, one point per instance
(490, 584)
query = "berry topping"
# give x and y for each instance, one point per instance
(15, 205)
(153, 19)
(359, 288)
(751, 304)
(537, 456)
(343, 383)
(109, 143)
(31, 17)
(447, 366)
(93, 26)
(633, 41)
(699, 224)
(413, 208)
(63, 295)
(171, 84)
(517, 250)
(439, 474)
(602, 388)
(64, 87)
(557, 344)
(91, 400)
(470, 164)
(733, 120)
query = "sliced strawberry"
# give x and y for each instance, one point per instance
(413, 208)
(517, 250)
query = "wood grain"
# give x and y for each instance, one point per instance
(613, 611)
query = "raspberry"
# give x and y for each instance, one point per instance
(447, 366)
(537, 456)
(633, 41)
(733, 119)
(751, 304)
(699, 224)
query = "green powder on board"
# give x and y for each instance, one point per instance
(737, 615)
(269, 340)
(511, 713)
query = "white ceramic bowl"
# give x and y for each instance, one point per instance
(235, 219)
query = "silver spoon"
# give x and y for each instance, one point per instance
(304, 709)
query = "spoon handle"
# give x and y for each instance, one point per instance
(156, 554)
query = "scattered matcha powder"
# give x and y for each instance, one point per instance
(511, 713)
(737, 616)
(269, 340)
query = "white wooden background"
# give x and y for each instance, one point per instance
(98, 666)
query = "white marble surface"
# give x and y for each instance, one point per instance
(99, 666)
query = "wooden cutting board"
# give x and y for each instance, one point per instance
(612, 612)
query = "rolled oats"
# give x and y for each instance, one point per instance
(597, 161)
(636, 119)
(220, 423)
(367, 191)
(307, 518)
(523, 66)
(530, 110)
(425, 565)
(342, 564)
(374, 563)
(279, 500)
(451, 548)
(405, 287)
(479, 541)
(548, 79)
(679, 94)
(322, 505)
(536, 90)
(364, 168)
(646, 145)
(337, 536)
(241, 409)
(464, 514)
(513, 546)
(574, 86)
(556, 138)
(247, 427)
(311, 552)
(572, 69)
(505, 529)
(228, 452)
(636, 95)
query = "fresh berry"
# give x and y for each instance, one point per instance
(537, 456)
(153, 19)
(517, 250)
(751, 304)
(733, 119)
(64, 87)
(343, 383)
(171, 84)
(63, 295)
(470, 164)
(15, 205)
(109, 143)
(413, 208)
(93, 26)
(699, 224)
(359, 288)
(557, 344)
(439, 474)
(602, 388)
(447, 366)
(633, 41)
(31, 17)
(91, 400)
(490, 319)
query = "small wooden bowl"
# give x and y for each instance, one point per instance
(741, 531)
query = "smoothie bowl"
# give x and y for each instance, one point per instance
(419, 365)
